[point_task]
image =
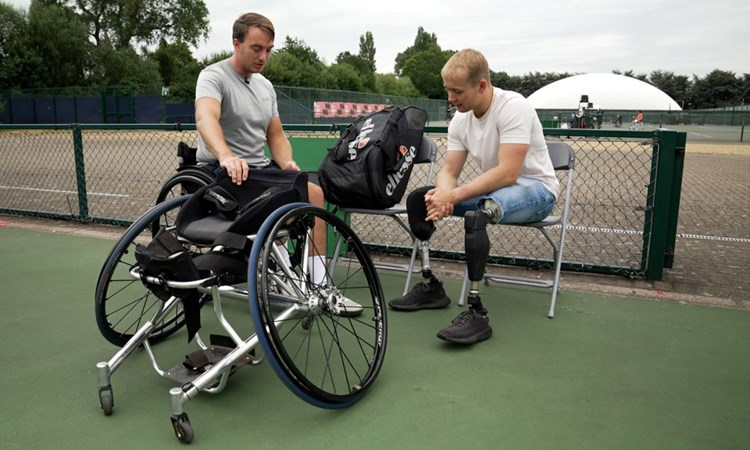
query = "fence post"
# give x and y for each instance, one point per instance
(674, 203)
(83, 202)
(658, 212)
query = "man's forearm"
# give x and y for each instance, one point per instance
(213, 137)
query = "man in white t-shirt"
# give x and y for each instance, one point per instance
(501, 131)
(236, 115)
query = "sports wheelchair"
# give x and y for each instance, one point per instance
(249, 243)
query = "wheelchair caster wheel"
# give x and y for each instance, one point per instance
(182, 428)
(106, 401)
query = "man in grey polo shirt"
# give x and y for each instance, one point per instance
(237, 115)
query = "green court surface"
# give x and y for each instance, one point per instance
(606, 373)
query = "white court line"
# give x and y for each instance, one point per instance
(60, 191)
(702, 135)
(620, 231)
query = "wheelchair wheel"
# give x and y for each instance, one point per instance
(325, 356)
(123, 304)
(184, 182)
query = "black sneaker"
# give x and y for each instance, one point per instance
(468, 328)
(422, 296)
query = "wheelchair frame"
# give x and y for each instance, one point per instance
(345, 352)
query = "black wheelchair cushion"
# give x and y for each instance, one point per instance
(204, 216)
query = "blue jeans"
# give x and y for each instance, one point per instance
(527, 200)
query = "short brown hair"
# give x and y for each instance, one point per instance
(468, 65)
(249, 20)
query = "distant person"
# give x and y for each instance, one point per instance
(637, 121)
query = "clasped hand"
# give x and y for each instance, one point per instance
(439, 204)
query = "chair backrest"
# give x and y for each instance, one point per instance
(427, 152)
(562, 155)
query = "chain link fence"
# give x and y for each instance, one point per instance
(606, 217)
(112, 175)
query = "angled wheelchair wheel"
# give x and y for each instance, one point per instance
(184, 182)
(122, 303)
(327, 350)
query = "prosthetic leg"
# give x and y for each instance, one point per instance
(428, 294)
(473, 325)
(477, 247)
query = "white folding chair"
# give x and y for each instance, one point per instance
(563, 159)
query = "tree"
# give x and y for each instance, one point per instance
(19, 64)
(631, 74)
(126, 23)
(344, 77)
(532, 82)
(362, 67)
(718, 88)
(286, 69)
(675, 86)
(300, 50)
(423, 42)
(112, 66)
(60, 41)
(423, 69)
(178, 69)
(367, 50)
(390, 84)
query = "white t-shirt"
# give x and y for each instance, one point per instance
(510, 120)
(246, 110)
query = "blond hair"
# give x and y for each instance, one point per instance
(468, 65)
(249, 20)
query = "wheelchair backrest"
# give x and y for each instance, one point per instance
(224, 206)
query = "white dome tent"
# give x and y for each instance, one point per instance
(604, 90)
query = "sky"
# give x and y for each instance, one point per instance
(583, 36)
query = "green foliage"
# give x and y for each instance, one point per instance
(126, 23)
(122, 66)
(423, 42)
(390, 84)
(344, 77)
(214, 58)
(718, 88)
(286, 69)
(675, 86)
(301, 51)
(362, 67)
(19, 64)
(61, 41)
(367, 50)
(178, 69)
(423, 68)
